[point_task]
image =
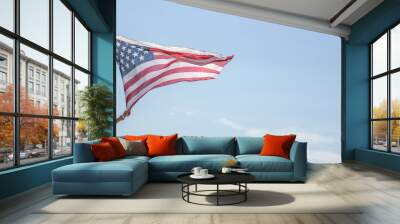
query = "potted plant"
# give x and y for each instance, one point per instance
(96, 103)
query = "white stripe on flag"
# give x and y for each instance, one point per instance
(173, 66)
(143, 66)
(169, 78)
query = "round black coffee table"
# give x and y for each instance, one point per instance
(238, 179)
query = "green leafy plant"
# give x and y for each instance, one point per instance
(97, 105)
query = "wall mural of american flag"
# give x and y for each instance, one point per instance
(145, 66)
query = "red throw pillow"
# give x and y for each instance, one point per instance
(103, 152)
(277, 145)
(161, 145)
(116, 145)
(136, 137)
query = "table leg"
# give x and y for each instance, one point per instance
(217, 194)
(245, 193)
(188, 190)
(195, 188)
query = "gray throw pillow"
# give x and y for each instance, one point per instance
(137, 148)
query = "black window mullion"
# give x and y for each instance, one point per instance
(16, 85)
(371, 137)
(50, 77)
(389, 102)
(73, 82)
(16, 68)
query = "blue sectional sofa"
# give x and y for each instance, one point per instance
(125, 176)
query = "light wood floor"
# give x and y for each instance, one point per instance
(379, 189)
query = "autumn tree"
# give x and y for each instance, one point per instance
(380, 127)
(33, 131)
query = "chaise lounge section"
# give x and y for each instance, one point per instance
(125, 176)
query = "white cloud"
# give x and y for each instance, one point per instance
(180, 111)
(247, 131)
(256, 131)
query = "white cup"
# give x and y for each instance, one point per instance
(196, 171)
(226, 170)
(203, 172)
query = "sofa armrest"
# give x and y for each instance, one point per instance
(298, 155)
(83, 152)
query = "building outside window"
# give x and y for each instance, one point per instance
(30, 72)
(60, 127)
(43, 90)
(3, 72)
(37, 74)
(30, 87)
(38, 89)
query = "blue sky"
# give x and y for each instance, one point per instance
(282, 79)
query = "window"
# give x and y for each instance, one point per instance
(30, 87)
(3, 78)
(81, 45)
(6, 142)
(6, 73)
(43, 90)
(62, 74)
(62, 137)
(7, 14)
(38, 74)
(3, 72)
(62, 31)
(37, 89)
(3, 61)
(34, 21)
(47, 76)
(30, 72)
(385, 91)
(81, 81)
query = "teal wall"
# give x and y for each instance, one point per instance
(24, 178)
(103, 63)
(355, 88)
(99, 16)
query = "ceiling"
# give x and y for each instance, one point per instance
(326, 16)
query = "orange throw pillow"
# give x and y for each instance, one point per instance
(161, 145)
(103, 152)
(116, 145)
(136, 137)
(277, 145)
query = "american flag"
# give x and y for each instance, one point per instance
(146, 66)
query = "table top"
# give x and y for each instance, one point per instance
(220, 178)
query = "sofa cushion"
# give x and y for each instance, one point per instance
(103, 152)
(116, 145)
(134, 147)
(161, 145)
(248, 145)
(83, 152)
(193, 145)
(257, 163)
(185, 163)
(112, 171)
(275, 145)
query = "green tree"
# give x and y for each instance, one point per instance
(97, 110)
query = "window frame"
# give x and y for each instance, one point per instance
(16, 114)
(388, 74)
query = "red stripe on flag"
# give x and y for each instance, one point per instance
(169, 82)
(198, 59)
(167, 73)
(146, 71)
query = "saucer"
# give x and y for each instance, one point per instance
(208, 176)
